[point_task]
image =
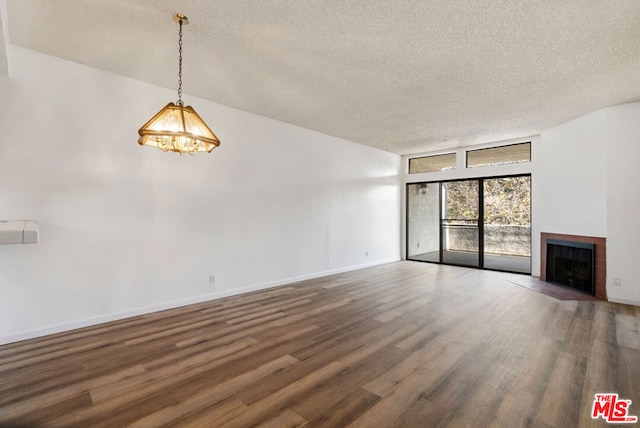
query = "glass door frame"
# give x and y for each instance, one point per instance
(481, 221)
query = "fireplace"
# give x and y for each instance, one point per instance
(571, 264)
(579, 268)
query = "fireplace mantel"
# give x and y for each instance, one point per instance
(600, 258)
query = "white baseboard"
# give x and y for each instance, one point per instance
(59, 328)
(624, 301)
(347, 269)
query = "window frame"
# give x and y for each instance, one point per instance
(466, 160)
(439, 155)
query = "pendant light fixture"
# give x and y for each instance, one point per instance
(178, 128)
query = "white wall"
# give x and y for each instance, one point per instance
(623, 203)
(587, 175)
(571, 177)
(4, 63)
(128, 229)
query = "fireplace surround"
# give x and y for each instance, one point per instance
(599, 258)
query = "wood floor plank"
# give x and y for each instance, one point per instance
(168, 415)
(22, 362)
(347, 383)
(217, 414)
(397, 345)
(561, 403)
(628, 331)
(346, 410)
(286, 419)
(188, 367)
(57, 395)
(271, 405)
(517, 409)
(49, 412)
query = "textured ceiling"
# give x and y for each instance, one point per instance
(404, 76)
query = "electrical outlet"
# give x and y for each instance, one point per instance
(617, 281)
(212, 279)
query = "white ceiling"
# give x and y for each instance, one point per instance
(404, 76)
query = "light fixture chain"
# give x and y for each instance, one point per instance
(180, 65)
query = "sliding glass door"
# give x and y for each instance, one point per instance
(484, 222)
(423, 222)
(507, 224)
(460, 223)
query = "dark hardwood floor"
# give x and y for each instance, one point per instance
(400, 345)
